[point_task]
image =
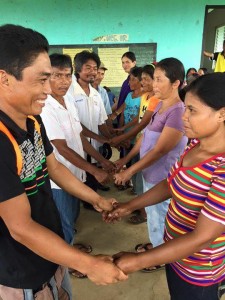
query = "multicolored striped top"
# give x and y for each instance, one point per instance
(198, 189)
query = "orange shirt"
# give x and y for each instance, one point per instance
(147, 103)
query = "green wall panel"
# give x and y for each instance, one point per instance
(176, 26)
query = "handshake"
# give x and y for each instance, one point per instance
(113, 268)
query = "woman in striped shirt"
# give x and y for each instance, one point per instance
(194, 248)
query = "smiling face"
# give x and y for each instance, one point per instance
(134, 83)
(88, 72)
(60, 81)
(200, 120)
(100, 76)
(27, 97)
(146, 82)
(127, 64)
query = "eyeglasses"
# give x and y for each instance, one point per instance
(59, 76)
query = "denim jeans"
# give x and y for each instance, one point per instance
(155, 218)
(136, 178)
(69, 208)
(182, 290)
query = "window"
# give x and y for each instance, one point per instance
(220, 37)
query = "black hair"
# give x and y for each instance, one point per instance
(136, 72)
(190, 69)
(192, 77)
(19, 47)
(107, 88)
(61, 61)
(129, 55)
(205, 70)
(82, 57)
(149, 69)
(209, 89)
(173, 68)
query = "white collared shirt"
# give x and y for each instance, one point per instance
(90, 109)
(64, 124)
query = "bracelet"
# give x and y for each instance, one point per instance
(116, 112)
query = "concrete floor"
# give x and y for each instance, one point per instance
(110, 239)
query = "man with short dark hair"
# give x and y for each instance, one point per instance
(89, 104)
(32, 248)
(64, 130)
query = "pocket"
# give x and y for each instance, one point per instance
(45, 294)
(59, 275)
(62, 294)
(8, 293)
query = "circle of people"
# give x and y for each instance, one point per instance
(167, 132)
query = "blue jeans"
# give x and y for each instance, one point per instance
(182, 290)
(156, 218)
(69, 209)
(136, 178)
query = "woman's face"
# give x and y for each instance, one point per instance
(200, 120)
(162, 86)
(190, 72)
(200, 72)
(127, 64)
(146, 82)
(134, 83)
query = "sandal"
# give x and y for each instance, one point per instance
(83, 248)
(139, 248)
(153, 269)
(137, 219)
(77, 274)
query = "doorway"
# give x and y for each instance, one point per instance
(213, 34)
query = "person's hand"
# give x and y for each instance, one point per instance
(120, 163)
(104, 272)
(103, 204)
(112, 130)
(122, 177)
(101, 175)
(120, 210)
(125, 144)
(108, 166)
(119, 129)
(126, 261)
(208, 54)
(115, 141)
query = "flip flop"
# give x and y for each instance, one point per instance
(139, 248)
(77, 274)
(153, 269)
(83, 248)
(137, 219)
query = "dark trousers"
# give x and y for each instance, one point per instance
(91, 182)
(182, 290)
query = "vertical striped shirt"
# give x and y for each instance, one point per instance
(198, 189)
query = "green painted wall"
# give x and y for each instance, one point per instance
(176, 26)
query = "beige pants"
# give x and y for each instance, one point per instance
(8, 293)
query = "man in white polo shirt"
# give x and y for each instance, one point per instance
(63, 129)
(89, 104)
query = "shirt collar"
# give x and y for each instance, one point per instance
(16, 131)
(53, 102)
(79, 91)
